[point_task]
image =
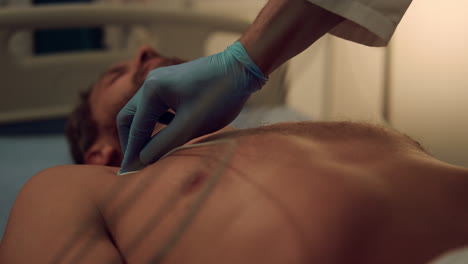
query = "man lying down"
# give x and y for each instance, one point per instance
(310, 192)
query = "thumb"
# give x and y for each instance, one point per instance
(140, 131)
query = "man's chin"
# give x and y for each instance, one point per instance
(152, 64)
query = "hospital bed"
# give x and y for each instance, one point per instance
(37, 92)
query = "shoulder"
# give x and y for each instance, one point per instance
(60, 189)
(73, 171)
(54, 207)
(74, 183)
(71, 176)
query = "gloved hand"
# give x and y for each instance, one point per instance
(207, 94)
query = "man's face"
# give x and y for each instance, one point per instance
(110, 94)
(118, 85)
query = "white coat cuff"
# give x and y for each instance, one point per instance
(372, 23)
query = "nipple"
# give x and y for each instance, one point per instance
(192, 182)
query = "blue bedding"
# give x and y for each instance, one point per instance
(26, 149)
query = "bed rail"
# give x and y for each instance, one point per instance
(43, 86)
(74, 15)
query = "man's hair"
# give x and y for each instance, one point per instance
(81, 129)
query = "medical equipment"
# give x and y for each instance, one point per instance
(43, 89)
(55, 71)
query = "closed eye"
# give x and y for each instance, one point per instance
(116, 72)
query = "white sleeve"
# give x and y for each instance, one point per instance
(369, 22)
(457, 256)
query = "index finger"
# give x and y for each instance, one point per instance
(138, 131)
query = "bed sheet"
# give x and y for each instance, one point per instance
(20, 158)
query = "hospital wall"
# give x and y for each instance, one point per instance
(424, 72)
(430, 77)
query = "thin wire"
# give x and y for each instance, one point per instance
(168, 205)
(131, 198)
(180, 148)
(124, 205)
(196, 206)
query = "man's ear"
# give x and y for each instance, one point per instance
(101, 154)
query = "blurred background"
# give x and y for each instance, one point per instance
(418, 85)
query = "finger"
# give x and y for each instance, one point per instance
(177, 133)
(146, 116)
(124, 122)
(191, 121)
(125, 119)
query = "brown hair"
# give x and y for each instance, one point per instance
(81, 129)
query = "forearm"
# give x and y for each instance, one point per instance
(283, 29)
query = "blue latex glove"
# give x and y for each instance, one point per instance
(207, 94)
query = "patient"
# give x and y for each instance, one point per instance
(323, 192)
(91, 129)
